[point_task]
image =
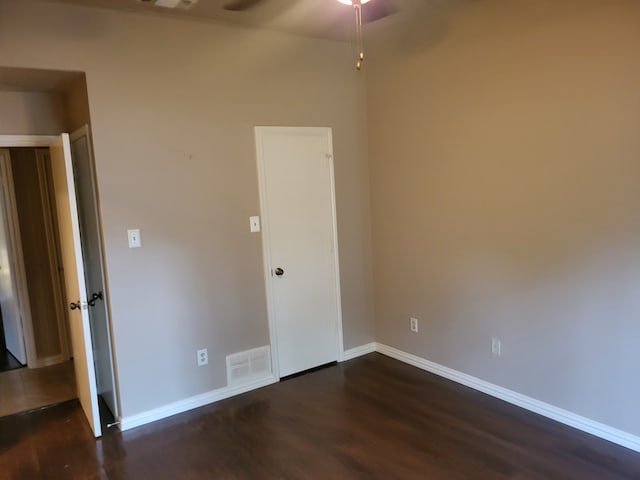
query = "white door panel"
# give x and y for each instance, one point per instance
(298, 206)
(72, 261)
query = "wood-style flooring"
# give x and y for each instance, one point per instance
(27, 389)
(369, 418)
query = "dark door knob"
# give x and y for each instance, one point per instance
(74, 305)
(94, 297)
(279, 272)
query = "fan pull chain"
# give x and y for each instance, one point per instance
(357, 6)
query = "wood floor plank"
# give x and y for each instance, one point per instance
(369, 418)
(27, 389)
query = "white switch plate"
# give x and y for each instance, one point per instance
(254, 224)
(134, 238)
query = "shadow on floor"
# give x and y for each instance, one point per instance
(8, 361)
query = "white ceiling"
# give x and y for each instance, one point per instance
(317, 18)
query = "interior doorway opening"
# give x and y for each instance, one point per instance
(40, 105)
(30, 233)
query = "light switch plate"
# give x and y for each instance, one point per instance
(254, 224)
(134, 238)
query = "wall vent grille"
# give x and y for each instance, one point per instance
(248, 366)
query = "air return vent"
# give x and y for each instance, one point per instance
(245, 367)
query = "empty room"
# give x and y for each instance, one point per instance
(458, 298)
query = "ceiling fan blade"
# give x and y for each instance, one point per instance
(241, 5)
(377, 9)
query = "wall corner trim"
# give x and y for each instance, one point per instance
(358, 351)
(571, 419)
(139, 419)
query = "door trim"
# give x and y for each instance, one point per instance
(259, 132)
(32, 141)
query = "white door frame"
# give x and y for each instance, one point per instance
(266, 250)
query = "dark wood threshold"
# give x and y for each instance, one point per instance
(306, 372)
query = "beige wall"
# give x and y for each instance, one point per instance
(76, 104)
(173, 105)
(505, 168)
(31, 113)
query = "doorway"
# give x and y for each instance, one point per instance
(71, 197)
(295, 166)
(32, 294)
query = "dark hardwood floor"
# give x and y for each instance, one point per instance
(370, 418)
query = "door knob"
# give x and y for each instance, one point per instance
(75, 305)
(94, 297)
(279, 272)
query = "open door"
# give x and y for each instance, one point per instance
(74, 279)
(88, 216)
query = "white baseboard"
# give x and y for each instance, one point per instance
(139, 419)
(598, 429)
(358, 351)
(190, 403)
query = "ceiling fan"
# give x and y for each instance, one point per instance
(366, 11)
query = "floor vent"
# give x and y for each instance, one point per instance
(244, 367)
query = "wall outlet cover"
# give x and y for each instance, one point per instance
(413, 324)
(203, 357)
(496, 346)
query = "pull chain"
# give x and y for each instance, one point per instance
(357, 6)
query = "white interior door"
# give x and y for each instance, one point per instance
(71, 247)
(9, 302)
(94, 273)
(300, 245)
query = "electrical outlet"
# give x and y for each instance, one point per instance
(496, 346)
(414, 324)
(203, 357)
